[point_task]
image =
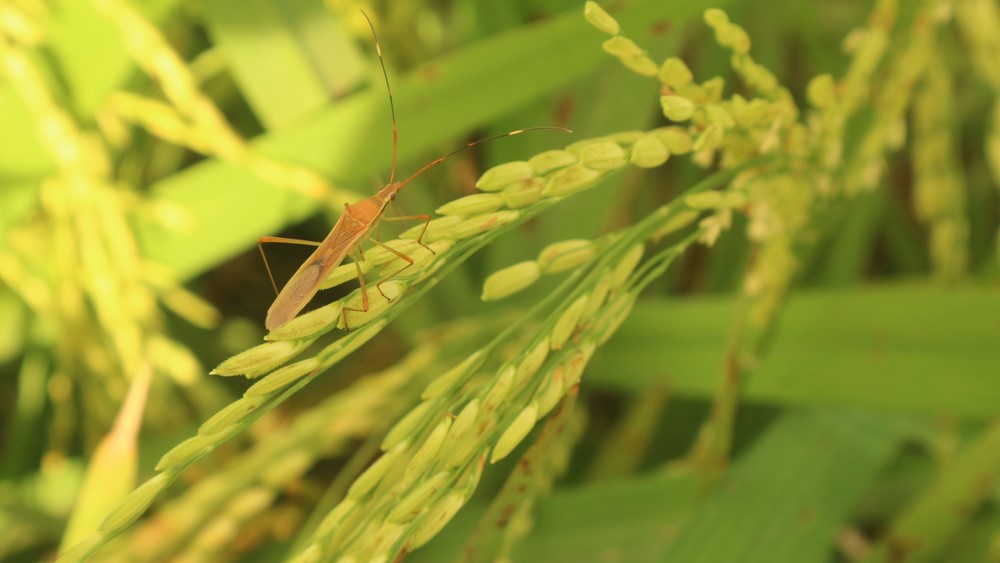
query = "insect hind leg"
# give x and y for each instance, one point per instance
(279, 240)
(404, 257)
(357, 257)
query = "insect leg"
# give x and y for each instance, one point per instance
(423, 217)
(280, 240)
(409, 262)
(357, 257)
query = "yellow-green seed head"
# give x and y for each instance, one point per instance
(523, 193)
(379, 255)
(624, 268)
(546, 162)
(310, 324)
(758, 112)
(649, 152)
(694, 92)
(250, 502)
(499, 177)
(821, 91)
(676, 139)
(734, 37)
(710, 138)
(186, 451)
(704, 200)
(641, 65)
(288, 467)
(81, 551)
(343, 274)
(569, 180)
(375, 472)
(676, 223)
(216, 533)
(469, 479)
(516, 432)
(260, 359)
(313, 553)
(576, 364)
(412, 504)
(432, 256)
(716, 18)
(733, 199)
(612, 317)
(436, 518)
(624, 138)
(455, 376)
(343, 347)
(482, 223)
(675, 73)
(408, 426)
(381, 543)
(531, 363)
(500, 391)
(231, 414)
(427, 452)
(472, 205)
(336, 516)
(565, 255)
(510, 280)
(437, 229)
(377, 304)
(548, 394)
(168, 355)
(462, 438)
(603, 155)
(677, 108)
(281, 378)
(132, 506)
(596, 298)
(717, 114)
(600, 19)
(567, 323)
(623, 48)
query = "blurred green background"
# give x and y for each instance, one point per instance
(145, 146)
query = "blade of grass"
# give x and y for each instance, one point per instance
(786, 498)
(274, 69)
(111, 472)
(923, 529)
(910, 347)
(628, 520)
(847, 258)
(91, 73)
(636, 519)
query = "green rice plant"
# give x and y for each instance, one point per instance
(464, 414)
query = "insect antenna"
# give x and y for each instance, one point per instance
(395, 129)
(439, 160)
(392, 106)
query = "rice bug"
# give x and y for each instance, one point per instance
(352, 229)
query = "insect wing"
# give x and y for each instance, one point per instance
(305, 282)
(294, 296)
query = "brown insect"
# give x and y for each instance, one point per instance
(352, 229)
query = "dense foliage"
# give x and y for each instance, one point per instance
(746, 311)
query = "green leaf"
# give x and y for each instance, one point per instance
(628, 520)
(785, 500)
(912, 347)
(276, 68)
(782, 501)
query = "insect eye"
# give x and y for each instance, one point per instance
(392, 197)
